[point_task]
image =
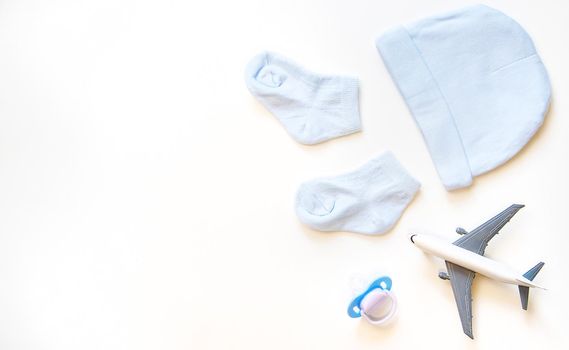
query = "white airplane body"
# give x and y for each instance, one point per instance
(478, 263)
(465, 257)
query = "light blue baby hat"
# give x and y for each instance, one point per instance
(474, 84)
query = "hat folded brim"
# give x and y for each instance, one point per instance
(428, 106)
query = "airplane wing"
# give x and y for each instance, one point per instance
(477, 240)
(461, 281)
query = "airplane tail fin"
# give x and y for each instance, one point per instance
(524, 291)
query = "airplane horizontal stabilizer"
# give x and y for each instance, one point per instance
(524, 291)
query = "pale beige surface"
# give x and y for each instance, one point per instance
(146, 198)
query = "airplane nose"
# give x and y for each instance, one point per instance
(411, 238)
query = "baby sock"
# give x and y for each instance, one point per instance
(312, 108)
(368, 200)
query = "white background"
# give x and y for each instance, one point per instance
(146, 198)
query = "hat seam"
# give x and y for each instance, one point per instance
(420, 54)
(513, 63)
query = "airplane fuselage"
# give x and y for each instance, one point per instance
(470, 260)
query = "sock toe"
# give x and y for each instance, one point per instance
(315, 204)
(315, 208)
(271, 76)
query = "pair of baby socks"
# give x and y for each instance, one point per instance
(314, 108)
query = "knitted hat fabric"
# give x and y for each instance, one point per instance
(475, 85)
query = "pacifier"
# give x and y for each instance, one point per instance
(377, 304)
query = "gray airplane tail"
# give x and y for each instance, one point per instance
(524, 291)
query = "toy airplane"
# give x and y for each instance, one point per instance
(465, 257)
